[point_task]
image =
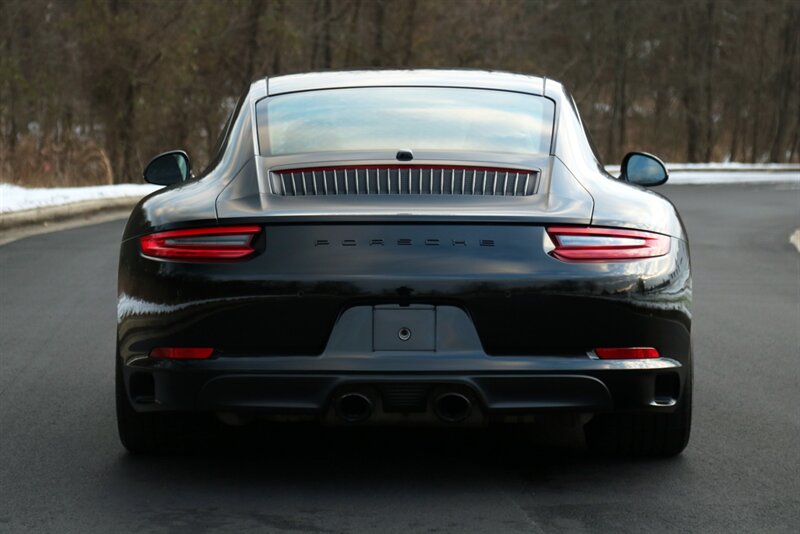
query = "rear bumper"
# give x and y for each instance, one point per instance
(407, 384)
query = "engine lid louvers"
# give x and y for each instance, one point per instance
(404, 180)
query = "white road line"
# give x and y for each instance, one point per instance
(794, 239)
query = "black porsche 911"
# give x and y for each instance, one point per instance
(406, 247)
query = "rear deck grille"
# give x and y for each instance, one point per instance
(404, 181)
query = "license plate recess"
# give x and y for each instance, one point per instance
(404, 327)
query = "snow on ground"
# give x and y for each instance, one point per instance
(15, 198)
(729, 166)
(726, 173)
(738, 177)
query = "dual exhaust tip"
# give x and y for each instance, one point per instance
(451, 407)
(354, 407)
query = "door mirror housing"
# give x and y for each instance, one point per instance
(169, 168)
(643, 169)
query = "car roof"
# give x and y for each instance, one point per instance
(480, 79)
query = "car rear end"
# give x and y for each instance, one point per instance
(404, 285)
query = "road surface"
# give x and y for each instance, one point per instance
(63, 470)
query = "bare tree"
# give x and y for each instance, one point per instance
(90, 89)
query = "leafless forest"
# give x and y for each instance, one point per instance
(91, 89)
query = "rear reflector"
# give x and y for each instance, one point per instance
(217, 243)
(605, 244)
(182, 353)
(626, 353)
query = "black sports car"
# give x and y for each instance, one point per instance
(406, 247)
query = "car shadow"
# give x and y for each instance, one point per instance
(306, 479)
(373, 454)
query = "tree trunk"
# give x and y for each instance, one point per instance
(616, 132)
(377, 51)
(277, 45)
(124, 171)
(756, 132)
(352, 31)
(794, 146)
(689, 95)
(785, 82)
(327, 45)
(315, 43)
(710, 46)
(408, 33)
(737, 121)
(252, 17)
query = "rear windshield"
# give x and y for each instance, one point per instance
(426, 118)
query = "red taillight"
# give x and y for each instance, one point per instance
(182, 353)
(221, 243)
(605, 244)
(626, 353)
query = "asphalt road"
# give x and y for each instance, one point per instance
(63, 470)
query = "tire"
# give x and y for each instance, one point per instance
(646, 434)
(151, 432)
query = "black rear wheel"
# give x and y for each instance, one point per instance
(648, 434)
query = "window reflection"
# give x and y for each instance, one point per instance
(391, 118)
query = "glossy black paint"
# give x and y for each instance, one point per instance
(279, 320)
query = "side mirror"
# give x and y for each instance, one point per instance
(168, 168)
(643, 169)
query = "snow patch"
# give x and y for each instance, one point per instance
(730, 166)
(15, 198)
(739, 177)
(727, 173)
(794, 239)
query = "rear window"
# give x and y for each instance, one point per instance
(426, 118)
